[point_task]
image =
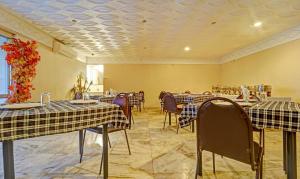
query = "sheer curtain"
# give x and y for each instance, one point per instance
(4, 72)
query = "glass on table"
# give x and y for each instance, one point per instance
(45, 99)
(85, 96)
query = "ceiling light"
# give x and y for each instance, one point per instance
(187, 48)
(257, 24)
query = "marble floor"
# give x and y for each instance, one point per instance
(156, 153)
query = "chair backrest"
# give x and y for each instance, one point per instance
(161, 95)
(225, 129)
(123, 101)
(188, 92)
(207, 93)
(142, 94)
(170, 104)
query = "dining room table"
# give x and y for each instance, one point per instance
(134, 100)
(191, 98)
(282, 115)
(57, 117)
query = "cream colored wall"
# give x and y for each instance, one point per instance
(154, 78)
(278, 66)
(55, 74)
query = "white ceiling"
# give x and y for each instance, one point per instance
(111, 29)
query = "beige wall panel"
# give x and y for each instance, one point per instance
(278, 66)
(55, 74)
(154, 78)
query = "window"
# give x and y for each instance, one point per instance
(95, 74)
(4, 72)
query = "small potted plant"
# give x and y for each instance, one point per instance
(82, 86)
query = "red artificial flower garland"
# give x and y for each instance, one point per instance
(23, 58)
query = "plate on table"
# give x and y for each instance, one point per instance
(20, 106)
(81, 101)
(243, 104)
(242, 100)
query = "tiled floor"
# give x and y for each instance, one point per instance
(156, 153)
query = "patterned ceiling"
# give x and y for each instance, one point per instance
(158, 28)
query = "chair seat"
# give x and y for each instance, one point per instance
(99, 129)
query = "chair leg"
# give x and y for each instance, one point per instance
(108, 141)
(131, 116)
(262, 139)
(199, 163)
(83, 139)
(101, 164)
(261, 169)
(284, 144)
(177, 123)
(127, 142)
(165, 120)
(214, 163)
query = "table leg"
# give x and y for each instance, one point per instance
(170, 119)
(284, 147)
(193, 126)
(291, 155)
(105, 152)
(80, 141)
(8, 159)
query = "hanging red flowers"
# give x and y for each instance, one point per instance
(23, 58)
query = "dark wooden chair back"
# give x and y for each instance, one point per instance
(207, 93)
(161, 95)
(188, 92)
(225, 129)
(170, 104)
(123, 101)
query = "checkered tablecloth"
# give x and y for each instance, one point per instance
(188, 114)
(191, 98)
(268, 114)
(106, 99)
(276, 114)
(133, 100)
(58, 117)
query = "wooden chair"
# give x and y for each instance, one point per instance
(188, 92)
(123, 102)
(142, 95)
(170, 106)
(160, 97)
(207, 93)
(217, 129)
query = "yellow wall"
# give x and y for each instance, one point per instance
(278, 66)
(154, 78)
(55, 74)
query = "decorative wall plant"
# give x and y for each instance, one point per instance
(22, 56)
